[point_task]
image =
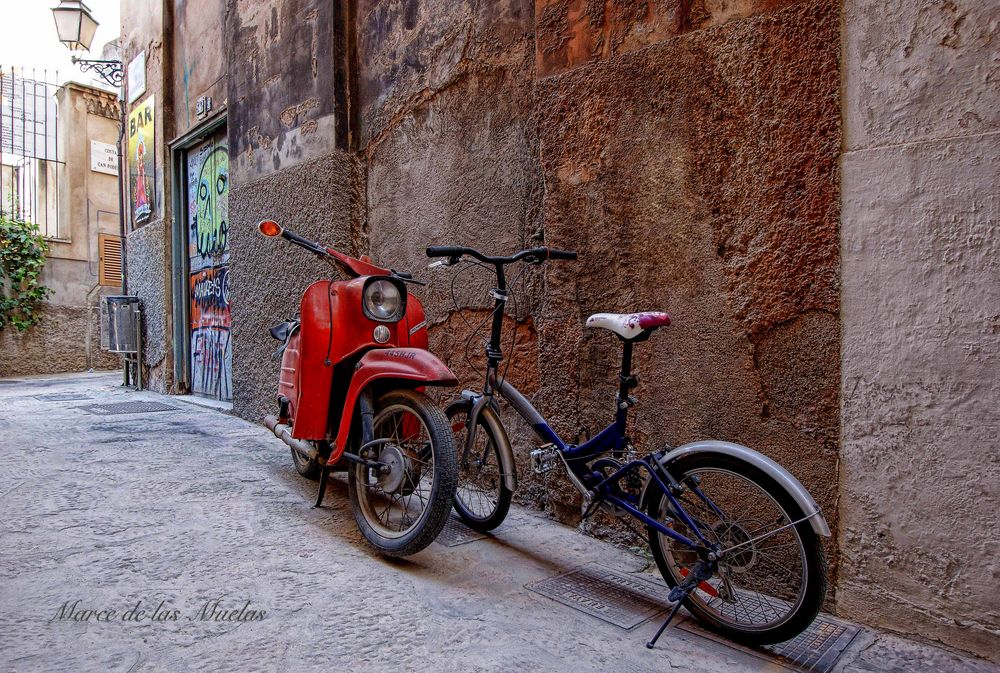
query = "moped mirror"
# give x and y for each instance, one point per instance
(270, 228)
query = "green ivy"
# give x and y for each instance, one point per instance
(22, 256)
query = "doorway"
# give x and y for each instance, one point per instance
(206, 196)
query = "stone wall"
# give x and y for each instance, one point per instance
(921, 346)
(67, 339)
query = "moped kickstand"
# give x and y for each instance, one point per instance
(701, 572)
(322, 485)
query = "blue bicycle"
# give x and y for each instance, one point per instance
(733, 534)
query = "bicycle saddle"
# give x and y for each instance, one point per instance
(629, 325)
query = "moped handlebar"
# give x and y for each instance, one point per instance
(532, 255)
(349, 265)
(311, 246)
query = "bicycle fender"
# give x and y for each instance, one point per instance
(481, 407)
(783, 477)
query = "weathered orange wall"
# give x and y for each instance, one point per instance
(687, 150)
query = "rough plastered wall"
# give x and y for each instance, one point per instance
(288, 164)
(316, 199)
(921, 317)
(146, 26)
(199, 60)
(446, 95)
(699, 176)
(687, 150)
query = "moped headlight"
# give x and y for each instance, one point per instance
(384, 300)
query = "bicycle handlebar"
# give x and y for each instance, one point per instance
(532, 255)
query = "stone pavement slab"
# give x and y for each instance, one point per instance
(184, 540)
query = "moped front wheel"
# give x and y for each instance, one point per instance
(771, 583)
(402, 500)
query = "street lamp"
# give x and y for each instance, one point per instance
(76, 28)
(75, 25)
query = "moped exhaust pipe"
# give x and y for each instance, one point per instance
(283, 432)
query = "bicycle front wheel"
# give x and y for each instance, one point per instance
(482, 498)
(772, 583)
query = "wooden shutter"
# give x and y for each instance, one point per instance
(110, 250)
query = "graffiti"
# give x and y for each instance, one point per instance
(208, 250)
(141, 130)
(212, 203)
(212, 362)
(210, 298)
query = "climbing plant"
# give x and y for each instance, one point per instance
(22, 256)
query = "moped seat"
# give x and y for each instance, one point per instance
(282, 330)
(629, 325)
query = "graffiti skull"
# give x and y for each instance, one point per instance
(212, 203)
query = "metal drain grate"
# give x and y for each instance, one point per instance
(137, 407)
(816, 649)
(62, 397)
(455, 533)
(614, 597)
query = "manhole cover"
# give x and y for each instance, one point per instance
(455, 533)
(137, 407)
(816, 649)
(62, 397)
(614, 597)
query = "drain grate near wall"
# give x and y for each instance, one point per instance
(62, 397)
(816, 649)
(136, 407)
(614, 597)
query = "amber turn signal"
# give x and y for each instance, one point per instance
(269, 228)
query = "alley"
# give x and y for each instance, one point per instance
(183, 539)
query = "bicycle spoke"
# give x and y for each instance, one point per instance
(763, 564)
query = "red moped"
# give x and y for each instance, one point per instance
(354, 362)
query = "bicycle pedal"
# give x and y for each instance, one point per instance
(543, 458)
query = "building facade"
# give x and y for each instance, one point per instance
(77, 206)
(755, 168)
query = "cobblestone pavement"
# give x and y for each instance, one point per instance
(173, 519)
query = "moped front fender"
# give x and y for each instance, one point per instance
(783, 477)
(404, 367)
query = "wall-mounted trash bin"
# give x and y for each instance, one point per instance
(123, 324)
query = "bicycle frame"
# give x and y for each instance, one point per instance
(612, 439)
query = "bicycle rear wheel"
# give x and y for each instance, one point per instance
(772, 583)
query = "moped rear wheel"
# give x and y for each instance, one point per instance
(402, 507)
(772, 583)
(310, 469)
